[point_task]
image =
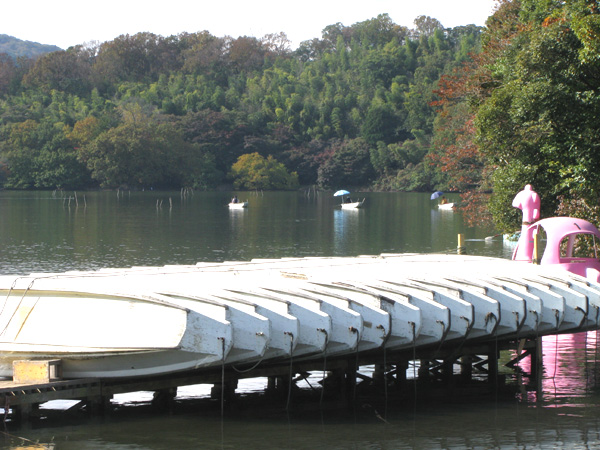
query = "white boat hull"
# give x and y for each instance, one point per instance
(101, 335)
(239, 205)
(154, 320)
(353, 205)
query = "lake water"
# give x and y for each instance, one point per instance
(51, 232)
(42, 231)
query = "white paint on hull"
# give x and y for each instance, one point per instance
(151, 320)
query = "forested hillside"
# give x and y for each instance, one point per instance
(17, 48)
(374, 105)
(352, 108)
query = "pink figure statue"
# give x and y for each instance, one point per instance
(529, 202)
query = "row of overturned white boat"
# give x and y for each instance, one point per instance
(144, 321)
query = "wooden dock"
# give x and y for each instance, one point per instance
(159, 328)
(438, 368)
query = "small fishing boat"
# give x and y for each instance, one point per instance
(238, 205)
(443, 204)
(353, 205)
(347, 203)
(101, 334)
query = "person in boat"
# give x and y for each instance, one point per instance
(234, 199)
(444, 200)
(348, 200)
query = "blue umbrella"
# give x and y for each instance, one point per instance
(436, 194)
(342, 192)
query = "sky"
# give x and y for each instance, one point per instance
(65, 23)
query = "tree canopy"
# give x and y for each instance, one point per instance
(144, 110)
(532, 96)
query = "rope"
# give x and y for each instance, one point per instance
(254, 366)
(385, 390)
(287, 406)
(587, 375)
(249, 369)
(324, 368)
(443, 338)
(356, 363)
(555, 364)
(222, 377)
(414, 377)
(496, 364)
(18, 304)
(596, 359)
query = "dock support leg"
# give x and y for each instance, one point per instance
(279, 386)
(493, 367)
(98, 405)
(424, 370)
(271, 385)
(537, 365)
(227, 390)
(401, 368)
(447, 369)
(164, 399)
(379, 374)
(338, 380)
(350, 381)
(23, 413)
(466, 368)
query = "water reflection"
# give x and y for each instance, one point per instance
(346, 229)
(43, 233)
(443, 225)
(571, 363)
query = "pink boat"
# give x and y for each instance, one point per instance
(562, 236)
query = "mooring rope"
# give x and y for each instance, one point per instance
(385, 390)
(414, 331)
(222, 376)
(596, 360)
(356, 364)
(18, 304)
(496, 356)
(324, 368)
(250, 369)
(255, 365)
(555, 364)
(585, 352)
(443, 324)
(289, 396)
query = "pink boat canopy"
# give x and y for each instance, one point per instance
(571, 243)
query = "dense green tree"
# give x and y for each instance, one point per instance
(41, 157)
(348, 165)
(252, 172)
(65, 71)
(8, 74)
(539, 125)
(426, 26)
(360, 89)
(142, 153)
(380, 124)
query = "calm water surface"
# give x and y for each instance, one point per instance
(46, 232)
